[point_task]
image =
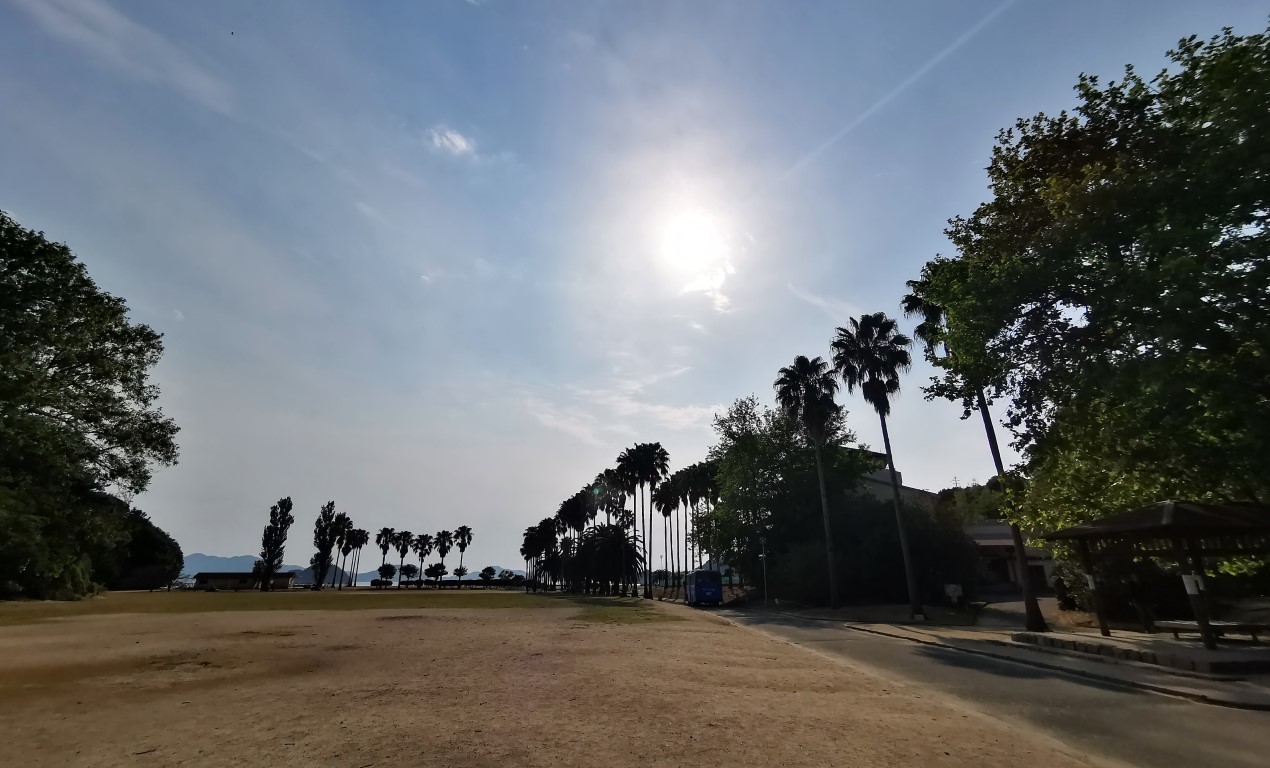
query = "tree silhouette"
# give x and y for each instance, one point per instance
(324, 532)
(343, 526)
(870, 354)
(804, 391)
(402, 541)
(462, 539)
(274, 541)
(408, 571)
(384, 540)
(423, 546)
(444, 542)
(487, 575)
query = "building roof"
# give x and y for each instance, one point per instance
(1165, 519)
(237, 575)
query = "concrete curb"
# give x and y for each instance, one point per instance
(1090, 674)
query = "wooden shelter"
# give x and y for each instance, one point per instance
(1179, 531)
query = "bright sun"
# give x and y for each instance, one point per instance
(691, 244)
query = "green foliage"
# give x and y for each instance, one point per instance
(1115, 287)
(972, 504)
(78, 414)
(488, 573)
(409, 571)
(436, 572)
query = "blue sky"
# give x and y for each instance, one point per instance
(441, 261)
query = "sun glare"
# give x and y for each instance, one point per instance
(692, 244)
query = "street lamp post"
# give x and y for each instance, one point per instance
(762, 540)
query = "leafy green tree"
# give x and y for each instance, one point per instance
(932, 332)
(408, 572)
(1113, 290)
(78, 414)
(436, 572)
(459, 573)
(386, 572)
(805, 393)
(487, 575)
(273, 541)
(324, 532)
(870, 354)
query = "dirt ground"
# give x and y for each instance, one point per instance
(552, 683)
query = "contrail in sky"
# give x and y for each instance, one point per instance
(882, 102)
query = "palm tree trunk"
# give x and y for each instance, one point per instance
(400, 563)
(1035, 620)
(914, 604)
(824, 513)
(461, 553)
(665, 551)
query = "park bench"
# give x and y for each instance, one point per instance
(1219, 628)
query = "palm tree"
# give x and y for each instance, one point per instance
(462, 538)
(444, 542)
(652, 464)
(871, 353)
(343, 526)
(665, 499)
(384, 540)
(804, 391)
(931, 332)
(626, 472)
(402, 540)
(422, 546)
(361, 537)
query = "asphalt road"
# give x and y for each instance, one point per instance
(1131, 726)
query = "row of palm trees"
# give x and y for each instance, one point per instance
(423, 545)
(573, 549)
(868, 354)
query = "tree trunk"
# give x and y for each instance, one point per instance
(824, 513)
(914, 604)
(400, 563)
(1035, 620)
(461, 553)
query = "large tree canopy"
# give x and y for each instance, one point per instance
(77, 415)
(71, 362)
(1115, 289)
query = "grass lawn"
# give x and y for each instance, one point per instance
(28, 611)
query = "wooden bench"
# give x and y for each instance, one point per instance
(1219, 628)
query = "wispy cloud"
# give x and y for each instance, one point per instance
(836, 309)
(582, 426)
(451, 142)
(129, 47)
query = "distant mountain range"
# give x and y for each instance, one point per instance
(198, 562)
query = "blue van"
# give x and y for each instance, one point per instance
(704, 587)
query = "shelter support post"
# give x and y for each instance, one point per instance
(1087, 563)
(1192, 568)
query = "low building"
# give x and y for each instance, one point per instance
(234, 581)
(997, 566)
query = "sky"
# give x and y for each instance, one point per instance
(442, 261)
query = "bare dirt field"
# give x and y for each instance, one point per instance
(499, 679)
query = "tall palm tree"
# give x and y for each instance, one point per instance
(444, 542)
(402, 541)
(652, 464)
(422, 547)
(462, 538)
(870, 354)
(361, 537)
(344, 544)
(384, 540)
(627, 472)
(931, 332)
(804, 391)
(342, 527)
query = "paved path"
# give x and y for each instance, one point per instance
(1131, 726)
